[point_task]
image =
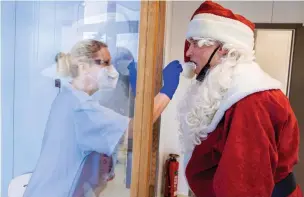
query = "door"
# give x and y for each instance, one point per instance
(273, 50)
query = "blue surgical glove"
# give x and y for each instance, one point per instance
(171, 76)
(132, 77)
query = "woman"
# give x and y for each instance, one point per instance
(78, 126)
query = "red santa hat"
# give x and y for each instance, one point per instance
(211, 20)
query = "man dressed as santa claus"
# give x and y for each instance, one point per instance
(237, 127)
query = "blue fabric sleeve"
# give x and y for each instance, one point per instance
(98, 128)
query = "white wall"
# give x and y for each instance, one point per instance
(177, 18)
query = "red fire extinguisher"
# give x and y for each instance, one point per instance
(171, 176)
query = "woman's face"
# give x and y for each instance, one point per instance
(88, 73)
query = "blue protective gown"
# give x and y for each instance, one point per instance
(78, 129)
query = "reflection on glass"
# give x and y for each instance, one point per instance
(127, 11)
(129, 41)
(70, 136)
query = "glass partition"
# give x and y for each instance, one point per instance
(42, 128)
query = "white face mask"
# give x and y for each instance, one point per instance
(188, 69)
(107, 78)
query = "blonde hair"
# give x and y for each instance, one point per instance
(83, 52)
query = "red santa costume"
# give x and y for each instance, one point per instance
(237, 127)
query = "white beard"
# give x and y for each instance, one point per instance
(200, 103)
(205, 103)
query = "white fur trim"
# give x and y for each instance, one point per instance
(223, 29)
(247, 78)
(244, 85)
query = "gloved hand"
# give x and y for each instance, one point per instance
(132, 77)
(171, 76)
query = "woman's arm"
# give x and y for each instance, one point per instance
(161, 101)
(171, 75)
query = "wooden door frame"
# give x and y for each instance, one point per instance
(150, 64)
